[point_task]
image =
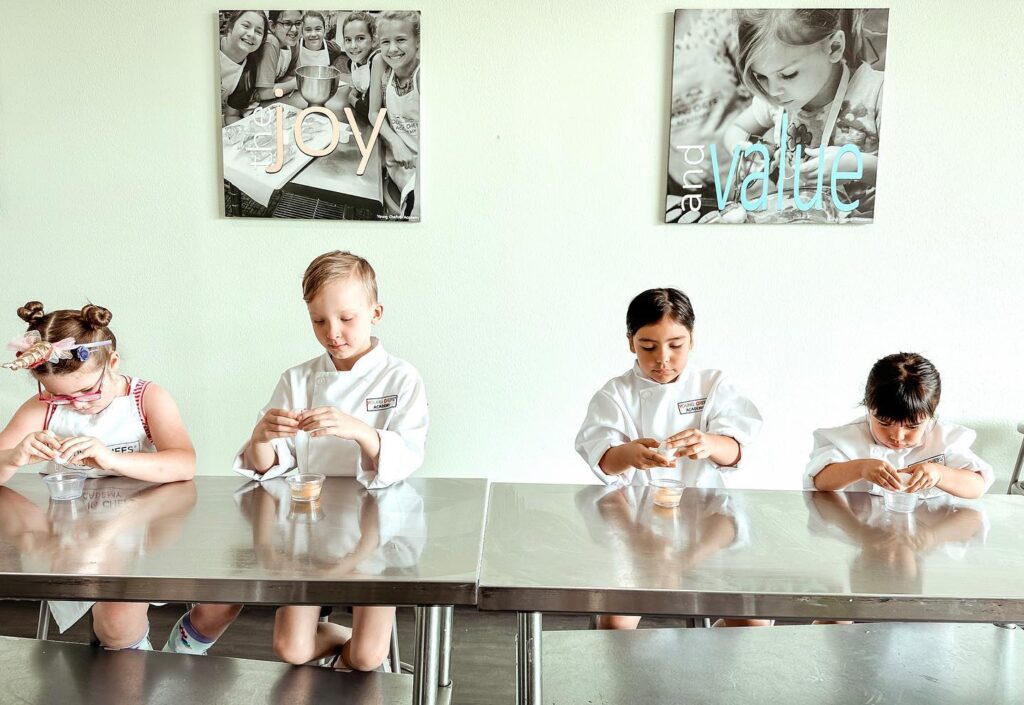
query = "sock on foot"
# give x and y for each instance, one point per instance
(186, 639)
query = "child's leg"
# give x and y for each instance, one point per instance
(122, 625)
(199, 628)
(617, 621)
(300, 637)
(744, 623)
(371, 638)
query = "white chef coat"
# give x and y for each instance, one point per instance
(383, 391)
(634, 406)
(944, 443)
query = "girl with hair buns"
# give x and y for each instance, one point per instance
(88, 416)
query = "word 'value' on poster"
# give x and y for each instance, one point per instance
(775, 115)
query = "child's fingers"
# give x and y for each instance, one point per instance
(42, 451)
(648, 442)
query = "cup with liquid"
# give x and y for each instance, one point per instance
(902, 501)
(306, 487)
(667, 493)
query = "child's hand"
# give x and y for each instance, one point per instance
(690, 443)
(815, 156)
(89, 451)
(328, 421)
(276, 423)
(879, 472)
(36, 447)
(643, 454)
(923, 476)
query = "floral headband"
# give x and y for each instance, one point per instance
(32, 351)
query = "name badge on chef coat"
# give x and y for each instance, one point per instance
(691, 407)
(381, 403)
(133, 447)
(939, 459)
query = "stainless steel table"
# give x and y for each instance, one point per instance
(49, 672)
(219, 539)
(558, 548)
(880, 664)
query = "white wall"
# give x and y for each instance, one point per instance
(545, 136)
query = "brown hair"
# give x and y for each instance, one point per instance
(88, 325)
(332, 266)
(796, 27)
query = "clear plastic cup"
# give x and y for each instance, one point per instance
(903, 502)
(667, 493)
(65, 485)
(306, 487)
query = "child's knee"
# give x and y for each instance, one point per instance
(119, 625)
(366, 655)
(293, 651)
(617, 621)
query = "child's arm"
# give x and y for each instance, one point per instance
(641, 454)
(388, 455)
(260, 455)
(24, 442)
(604, 442)
(733, 421)
(960, 482)
(174, 459)
(839, 476)
(752, 122)
(694, 444)
(266, 74)
(963, 473)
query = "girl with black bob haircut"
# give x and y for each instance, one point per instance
(899, 445)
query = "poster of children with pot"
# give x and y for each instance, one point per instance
(775, 115)
(320, 114)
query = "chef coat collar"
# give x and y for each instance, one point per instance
(375, 357)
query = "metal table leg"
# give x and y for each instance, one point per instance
(425, 666)
(444, 673)
(43, 626)
(528, 659)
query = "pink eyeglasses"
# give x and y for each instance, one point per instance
(63, 399)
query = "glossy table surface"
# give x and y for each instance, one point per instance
(880, 664)
(745, 553)
(223, 539)
(49, 672)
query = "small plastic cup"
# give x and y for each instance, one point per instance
(902, 502)
(667, 493)
(65, 485)
(306, 487)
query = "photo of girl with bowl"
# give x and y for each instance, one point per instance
(320, 114)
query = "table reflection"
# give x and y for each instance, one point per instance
(893, 546)
(114, 523)
(348, 532)
(662, 545)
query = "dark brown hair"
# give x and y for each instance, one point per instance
(88, 325)
(903, 388)
(654, 304)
